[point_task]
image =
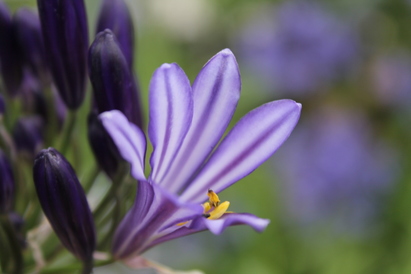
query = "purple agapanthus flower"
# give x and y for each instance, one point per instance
(391, 82)
(186, 124)
(335, 172)
(298, 47)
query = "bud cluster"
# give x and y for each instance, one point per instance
(46, 60)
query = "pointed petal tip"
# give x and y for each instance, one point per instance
(218, 226)
(110, 114)
(299, 106)
(291, 103)
(167, 66)
(226, 52)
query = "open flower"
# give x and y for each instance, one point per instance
(186, 124)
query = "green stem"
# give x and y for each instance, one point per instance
(73, 267)
(52, 123)
(4, 245)
(15, 247)
(92, 176)
(112, 192)
(69, 126)
(117, 212)
(104, 203)
(7, 141)
(116, 217)
(87, 267)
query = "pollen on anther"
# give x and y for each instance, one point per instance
(213, 198)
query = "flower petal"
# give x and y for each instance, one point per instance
(255, 138)
(215, 226)
(153, 210)
(171, 111)
(219, 225)
(216, 91)
(129, 139)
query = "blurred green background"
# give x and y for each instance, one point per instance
(356, 220)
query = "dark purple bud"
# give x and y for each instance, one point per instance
(11, 59)
(17, 223)
(115, 15)
(104, 149)
(33, 99)
(2, 105)
(28, 34)
(60, 108)
(7, 186)
(64, 203)
(113, 83)
(65, 35)
(28, 135)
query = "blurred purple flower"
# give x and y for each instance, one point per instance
(298, 48)
(28, 34)
(11, 57)
(391, 79)
(334, 172)
(7, 185)
(186, 124)
(28, 135)
(2, 105)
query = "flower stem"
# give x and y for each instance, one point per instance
(87, 267)
(104, 203)
(52, 124)
(88, 182)
(15, 248)
(69, 126)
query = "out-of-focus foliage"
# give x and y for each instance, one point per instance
(339, 192)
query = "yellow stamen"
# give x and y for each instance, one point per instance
(214, 200)
(207, 206)
(219, 210)
(213, 209)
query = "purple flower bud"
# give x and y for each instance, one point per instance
(111, 78)
(33, 99)
(64, 203)
(115, 15)
(7, 186)
(104, 149)
(10, 53)
(65, 34)
(28, 34)
(18, 223)
(28, 135)
(2, 105)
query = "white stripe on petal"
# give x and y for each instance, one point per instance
(216, 91)
(171, 112)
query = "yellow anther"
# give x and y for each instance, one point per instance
(219, 211)
(213, 209)
(181, 224)
(214, 200)
(206, 206)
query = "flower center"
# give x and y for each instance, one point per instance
(213, 209)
